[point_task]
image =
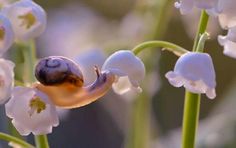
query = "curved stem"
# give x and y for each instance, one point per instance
(10, 138)
(201, 28)
(192, 101)
(41, 141)
(178, 50)
(201, 42)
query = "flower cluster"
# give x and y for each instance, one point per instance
(22, 21)
(33, 109)
(226, 13)
(19, 21)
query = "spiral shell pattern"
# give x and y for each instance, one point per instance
(56, 70)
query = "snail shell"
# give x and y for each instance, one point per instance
(56, 70)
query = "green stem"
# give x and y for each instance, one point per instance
(176, 49)
(41, 141)
(29, 61)
(201, 28)
(139, 126)
(190, 120)
(201, 42)
(10, 138)
(192, 101)
(163, 12)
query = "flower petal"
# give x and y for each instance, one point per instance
(6, 79)
(185, 6)
(28, 19)
(6, 34)
(211, 93)
(195, 71)
(122, 85)
(124, 63)
(227, 17)
(18, 108)
(229, 42)
(174, 79)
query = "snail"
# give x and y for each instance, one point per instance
(61, 79)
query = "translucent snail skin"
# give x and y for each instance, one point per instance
(61, 79)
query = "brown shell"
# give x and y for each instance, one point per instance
(57, 70)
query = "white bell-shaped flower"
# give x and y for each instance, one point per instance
(28, 19)
(31, 111)
(227, 16)
(128, 68)
(186, 6)
(194, 71)
(6, 79)
(6, 34)
(229, 42)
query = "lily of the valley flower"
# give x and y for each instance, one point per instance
(31, 111)
(186, 6)
(227, 16)
(229, 42)
(6, 34)
(6, 79)
(194, 71)
(28, 19)
(128, 68)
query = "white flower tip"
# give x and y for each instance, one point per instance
(211, 94)
(121, 85)
(124, 85)
(123, 91)
(229, 44)
(184, 9)
(120, 91)
(177, 5)
(138, 89)
(221, 40)
(173, 79)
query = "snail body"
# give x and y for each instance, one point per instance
(61, 79)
